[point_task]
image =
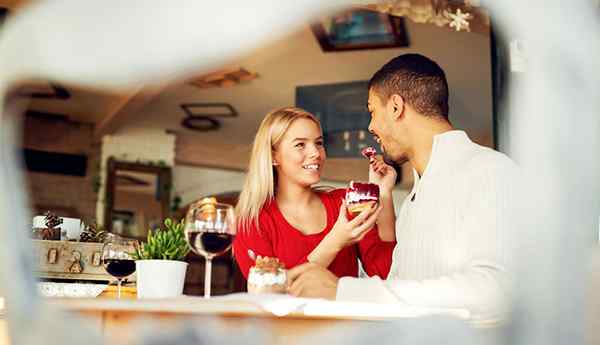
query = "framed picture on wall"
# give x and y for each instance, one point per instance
(360, 29)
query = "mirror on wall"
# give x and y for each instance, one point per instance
(137, 197)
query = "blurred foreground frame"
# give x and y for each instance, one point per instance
(550, 303)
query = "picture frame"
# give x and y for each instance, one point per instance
(360, 29)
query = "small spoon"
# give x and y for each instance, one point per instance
(251, 255)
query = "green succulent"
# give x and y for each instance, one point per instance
(164, 244)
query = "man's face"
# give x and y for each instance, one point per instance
(387, 129)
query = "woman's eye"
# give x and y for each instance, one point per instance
(300, 145)
(319, 143)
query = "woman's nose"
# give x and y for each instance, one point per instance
(314, 151)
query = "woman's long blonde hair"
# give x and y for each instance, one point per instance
(260, 184)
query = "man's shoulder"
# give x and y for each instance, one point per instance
(483, 165)
(483, 158)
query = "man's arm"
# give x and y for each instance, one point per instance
(482, 284)
(482, 290)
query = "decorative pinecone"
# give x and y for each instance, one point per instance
(52, 220)
(92, 233)
(52, 230)
(49, 234)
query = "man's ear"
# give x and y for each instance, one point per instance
(397, 104)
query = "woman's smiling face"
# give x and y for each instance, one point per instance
(300, 154)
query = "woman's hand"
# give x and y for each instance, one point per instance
(382, 174)
(385, 177)
(344, 233)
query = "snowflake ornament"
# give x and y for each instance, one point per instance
(458, 20)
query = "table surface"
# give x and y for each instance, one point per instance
(282, 315)
(243, 304)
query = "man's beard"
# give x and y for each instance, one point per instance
(397, 165)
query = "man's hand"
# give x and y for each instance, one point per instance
(312, 280)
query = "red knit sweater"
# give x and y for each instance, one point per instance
(277, 238)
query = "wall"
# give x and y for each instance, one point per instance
(192, 183)
(69, 196)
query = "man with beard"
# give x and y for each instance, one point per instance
(453, 230)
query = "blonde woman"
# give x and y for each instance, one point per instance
(281, 215)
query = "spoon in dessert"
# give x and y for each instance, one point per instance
(251, 254)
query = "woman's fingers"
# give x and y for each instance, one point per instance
(295, 289)
(368, 224)
(360, 218)
(378, 165)
(381, 168)
(342, 215)
(364, 233)
(360, 225)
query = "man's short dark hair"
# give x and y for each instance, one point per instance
(420, 81)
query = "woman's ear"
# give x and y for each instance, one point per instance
(397, 103)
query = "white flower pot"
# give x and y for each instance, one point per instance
(160, 278)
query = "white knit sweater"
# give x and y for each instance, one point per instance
(454, 238)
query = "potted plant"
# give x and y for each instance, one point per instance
(159, 262)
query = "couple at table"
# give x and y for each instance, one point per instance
(448, 246)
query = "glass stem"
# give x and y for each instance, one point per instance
(118, 288)
(207, 278)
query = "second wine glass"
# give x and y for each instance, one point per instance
(117, 258)
(209, 230)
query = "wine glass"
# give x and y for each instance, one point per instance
(209, 231)
(117, 258)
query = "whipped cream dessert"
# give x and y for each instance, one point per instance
(268, 275)
(361, 196)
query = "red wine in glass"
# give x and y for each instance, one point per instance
(209, 244)
(119, 268)
(209, 231)
(117, 259)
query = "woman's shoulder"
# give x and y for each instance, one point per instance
(265, 220)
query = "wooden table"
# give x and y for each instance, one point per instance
(118, 319)
(3, 332)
